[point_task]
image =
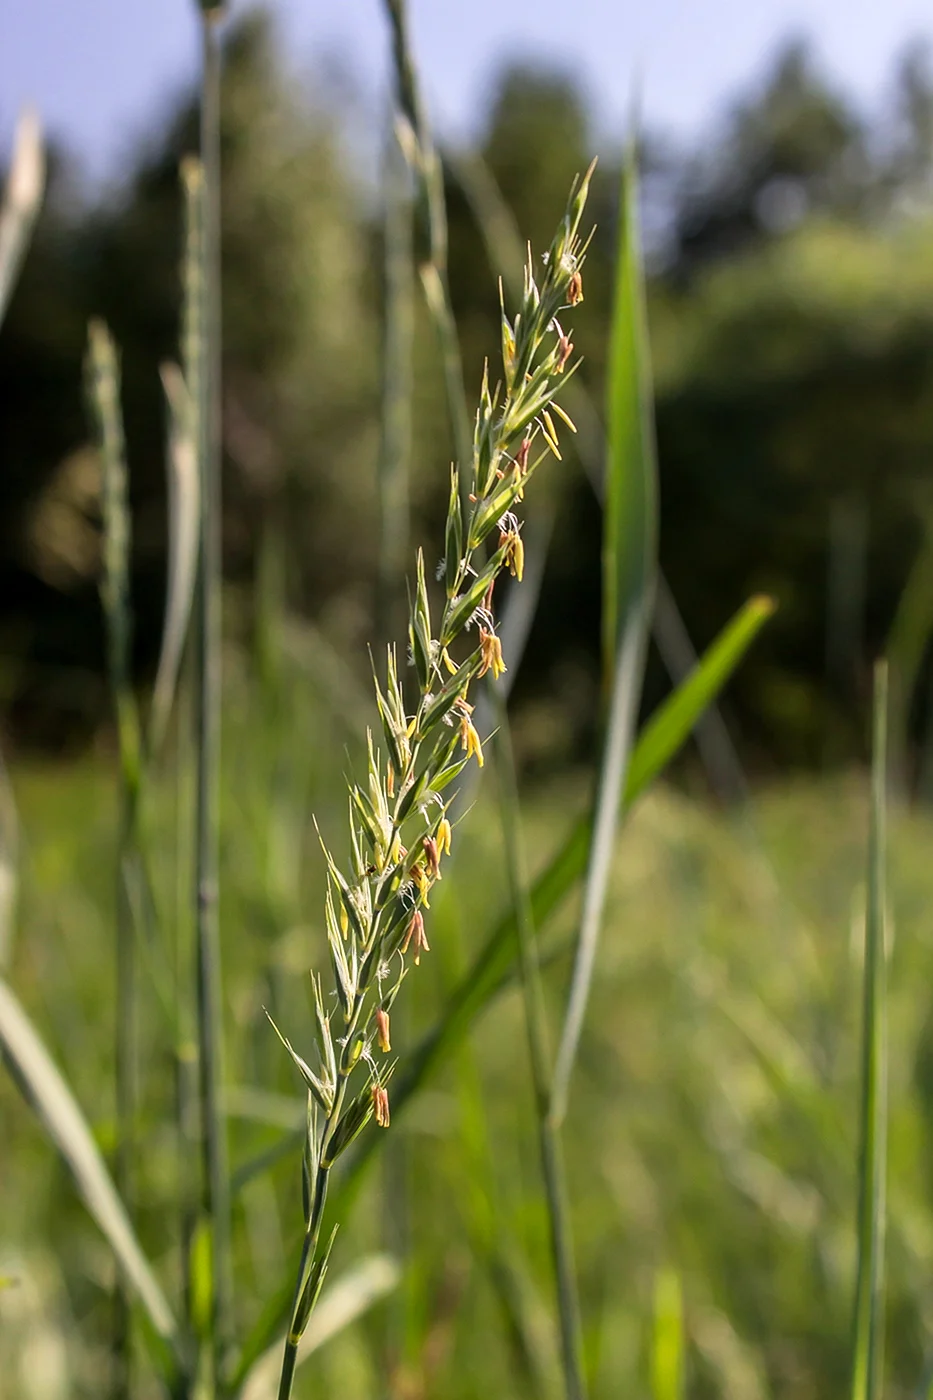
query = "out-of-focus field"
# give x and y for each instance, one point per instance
(713, 1123)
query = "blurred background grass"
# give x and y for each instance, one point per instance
(713, 1127)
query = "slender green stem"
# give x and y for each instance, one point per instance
(321, 1180)
(215, 1165)
(617, 748)
(868, 1315)
(396, 394)
(308, 1251)
(434, 218)
(186, 1049)
(552, 1164)
(126, 1068)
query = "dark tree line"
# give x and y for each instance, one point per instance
(791, 255)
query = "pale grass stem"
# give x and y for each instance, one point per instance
(103, 381)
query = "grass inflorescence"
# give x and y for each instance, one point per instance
(400, 828)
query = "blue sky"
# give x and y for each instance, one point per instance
(103, 70)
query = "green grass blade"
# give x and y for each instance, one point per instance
(868, 1322)
(21, 200)
(630, 505)
(667, 1337)
(43, 1086)
(671, 724)
(906, 644)
(629, 564)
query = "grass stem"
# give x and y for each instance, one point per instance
(868, 1319)
(552, 1164)
(395, 451)
(215, 1165)
(434, 219)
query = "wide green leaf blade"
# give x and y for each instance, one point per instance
(671, 724)
(868, 1320)
(44, 1088)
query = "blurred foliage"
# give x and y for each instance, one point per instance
(793, 338)
(713, 1126)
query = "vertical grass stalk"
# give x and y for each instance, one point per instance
(394, 460)
(103, 380)
(395, 451)
(423, 156)
(549, 1140)
(868, 1320)
(186, 520)
(215, 1165)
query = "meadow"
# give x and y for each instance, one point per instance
(713, 1134)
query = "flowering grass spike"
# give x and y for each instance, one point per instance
(399, 825)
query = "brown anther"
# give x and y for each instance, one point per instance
(565, 346)
(433, 857)
(415, 934)
(487, 596)
(575, 290)
(381, 1105)
(419, 877)
(382, 1030)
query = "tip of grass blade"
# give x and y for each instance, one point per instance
(26, 180)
